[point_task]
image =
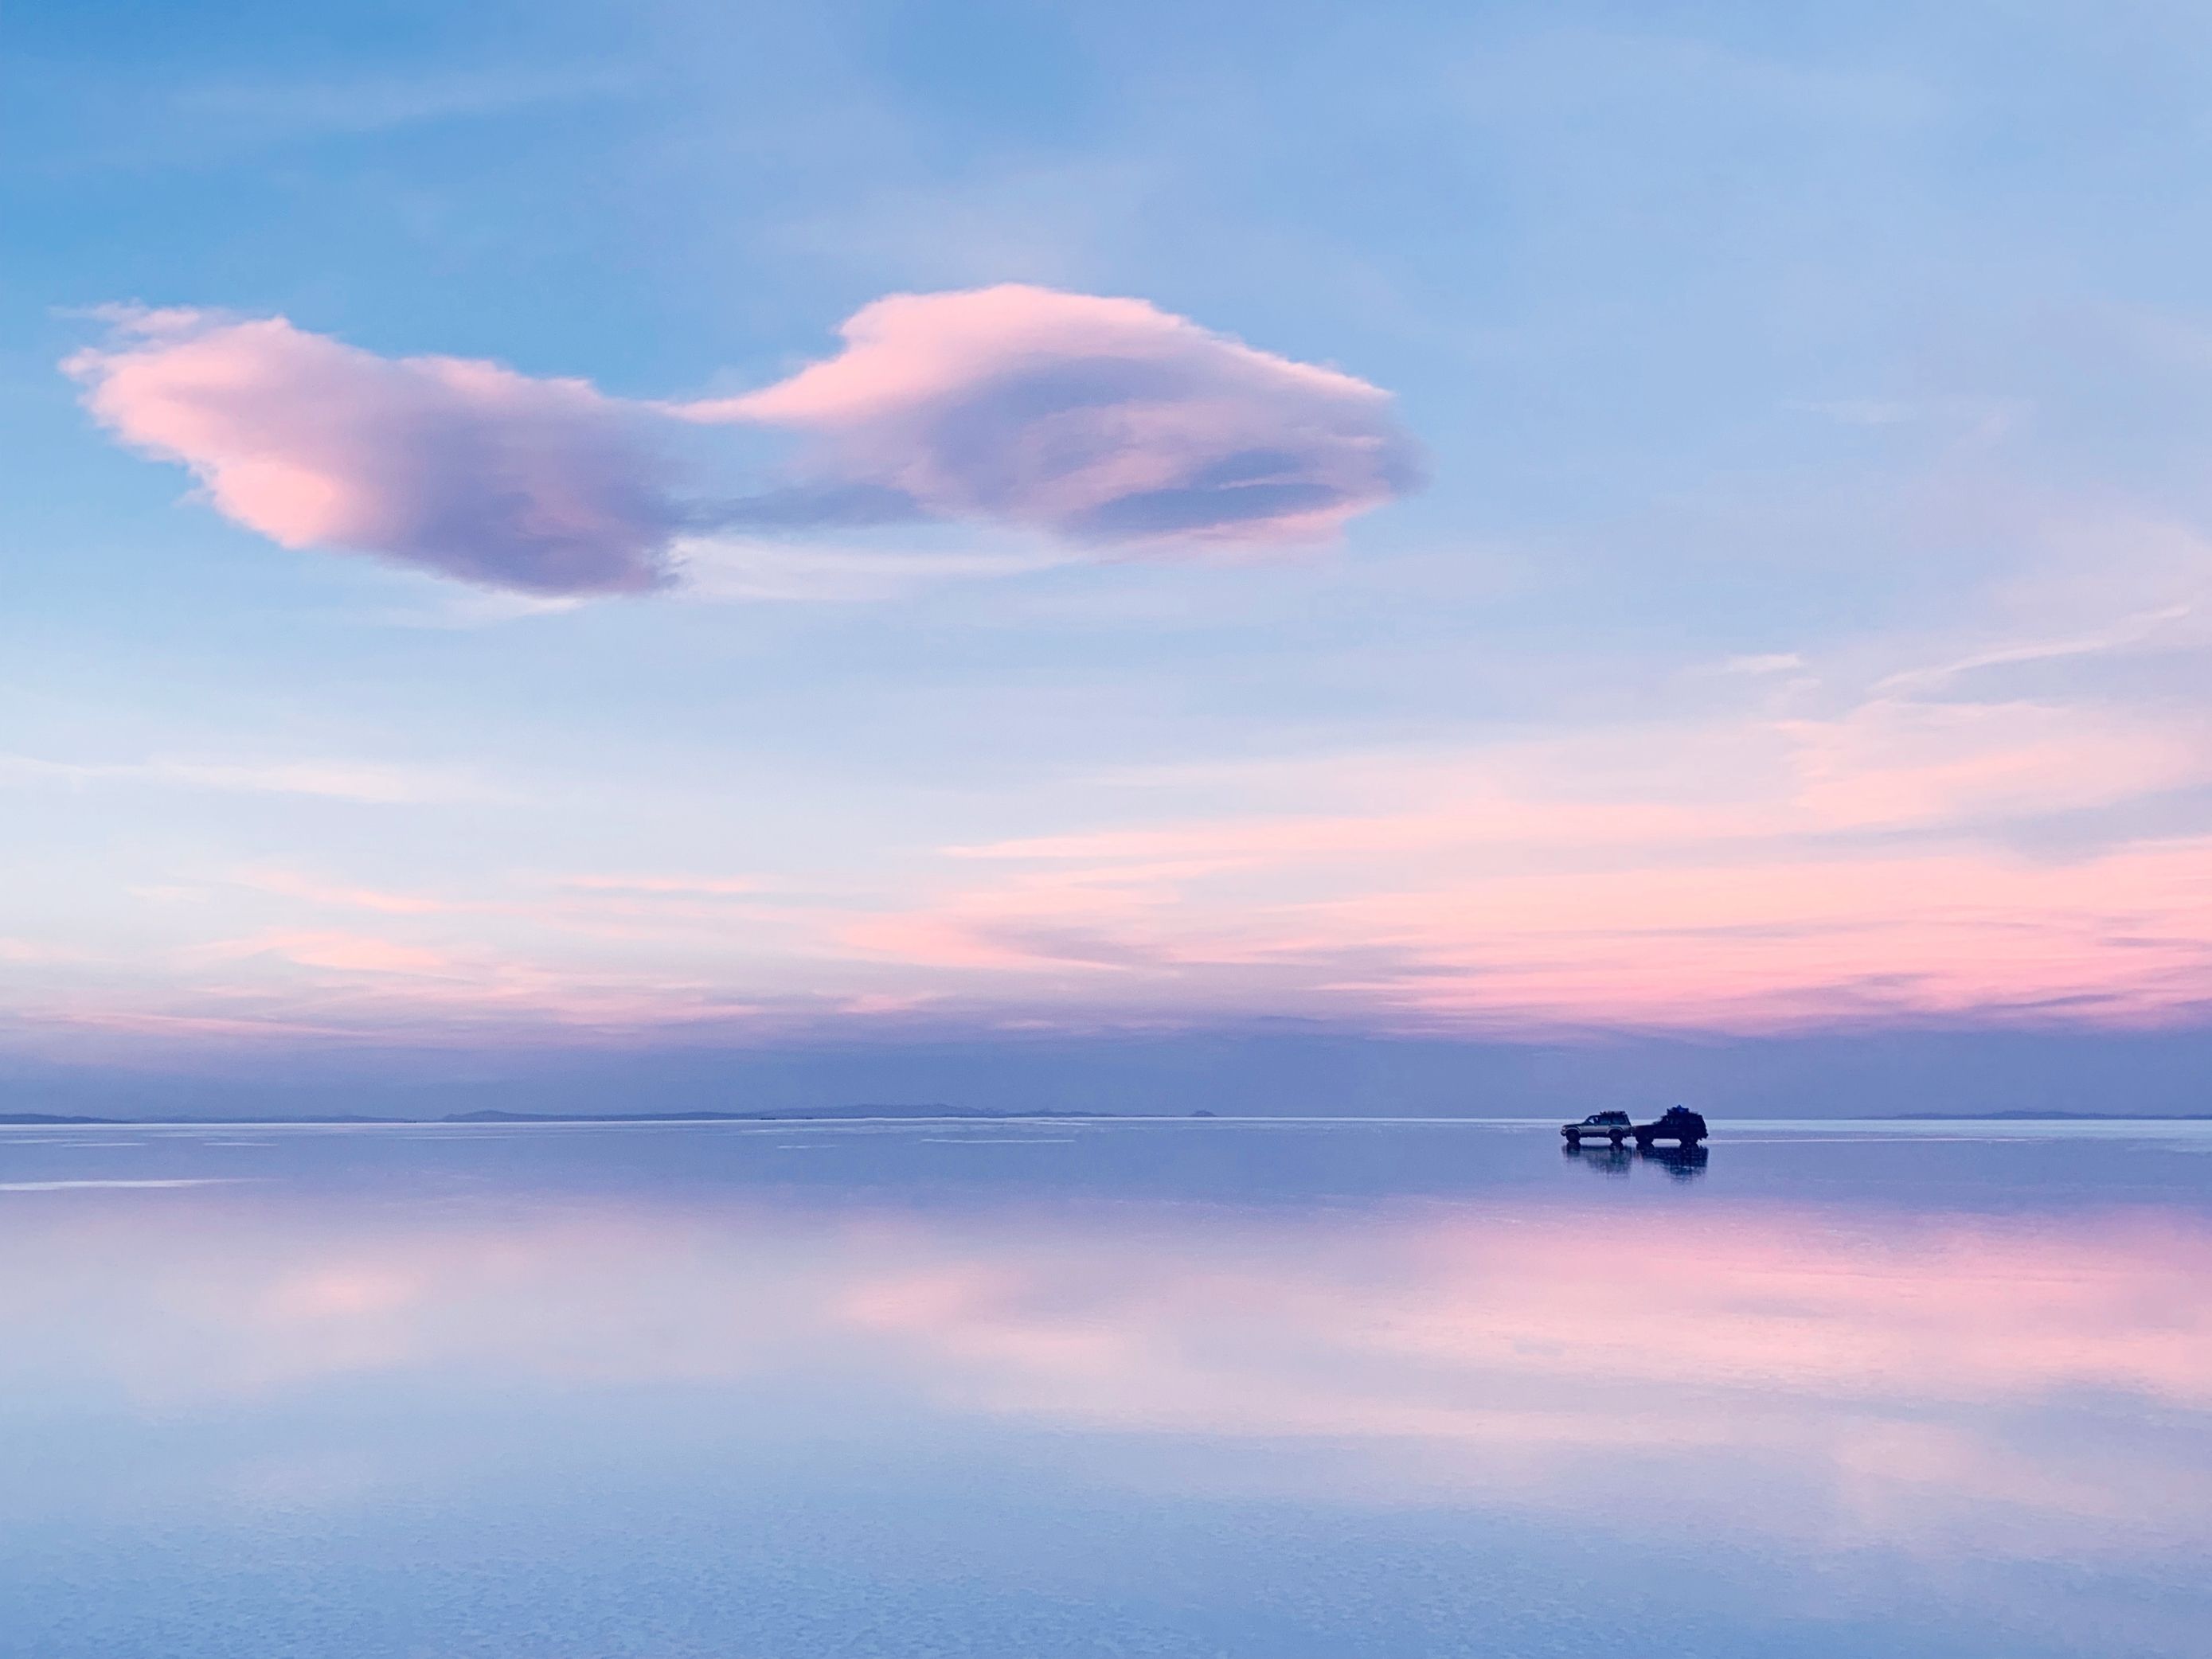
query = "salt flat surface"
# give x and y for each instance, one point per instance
(1169, 1387)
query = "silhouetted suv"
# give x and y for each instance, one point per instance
(1678, 1124)
(1599, 1126)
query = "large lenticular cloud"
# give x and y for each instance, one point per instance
(462, 468)
(1095, 419)
(1099, 421)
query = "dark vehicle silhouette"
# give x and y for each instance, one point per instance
(1678, 1124)
(1612, 1126)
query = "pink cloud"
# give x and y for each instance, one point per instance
(1098, 419)
(459, 467)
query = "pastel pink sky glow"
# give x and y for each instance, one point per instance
(955, 695)
(823, 828)
(1770, 874)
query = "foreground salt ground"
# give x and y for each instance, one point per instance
(1155, 1388)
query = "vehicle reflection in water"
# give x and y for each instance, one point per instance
(1598, 1156)
(1893, 1410)
(1682, 1163)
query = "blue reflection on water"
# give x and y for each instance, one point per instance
(1175, 1387)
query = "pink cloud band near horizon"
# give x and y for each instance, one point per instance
(1741, 876)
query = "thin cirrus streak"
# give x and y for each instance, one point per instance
(291, 885)
(367, 782)
(347, 953)
(673, 887)
(1088, 419)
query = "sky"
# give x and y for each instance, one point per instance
(615, 531)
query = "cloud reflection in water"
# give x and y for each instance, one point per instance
(1824, 1373)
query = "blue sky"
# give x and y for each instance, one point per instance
(1798, 624)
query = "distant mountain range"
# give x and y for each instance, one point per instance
(931, 1112)
(799, 1114)
(806, 1115)
(2047, 1117)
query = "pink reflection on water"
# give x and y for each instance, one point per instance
(1830, 1301)
(1863, 1371)
(1948, 1309)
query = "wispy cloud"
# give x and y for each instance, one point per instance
(1862, 411)
(727, 568)
(667, 886)
(271, 112)
(1769, 662)
(28, 950)
(347, 953)
(289, 884)
(366, 781)
(2138, 630)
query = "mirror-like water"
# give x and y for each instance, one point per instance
(1130, 1388)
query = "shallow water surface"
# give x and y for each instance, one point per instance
(1190, 1387)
